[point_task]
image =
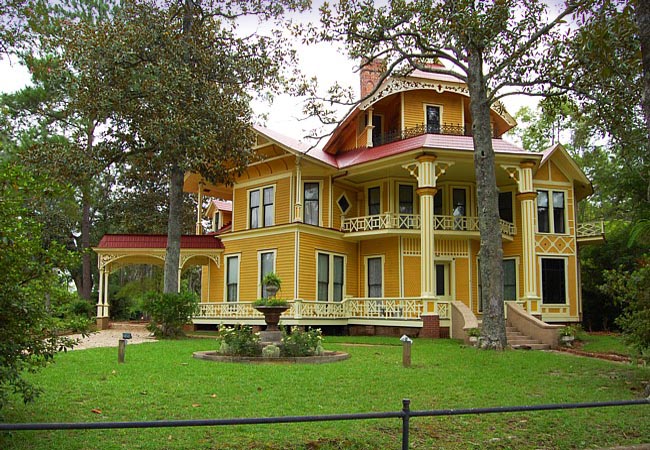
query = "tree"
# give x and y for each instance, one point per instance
(177, 76)
(28, 276)
(495, 48)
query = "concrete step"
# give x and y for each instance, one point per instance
(537, 346)
(519, 341)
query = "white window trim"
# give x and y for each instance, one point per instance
(261, 206)
(259, 267)
(566, 280)
(330, 282)
(320, 200)
(424, 110)
(551, 221)
(225, 278)
(365, 273)
(381, 198)
(347, 199)
(416, 203)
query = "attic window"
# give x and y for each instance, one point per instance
(344, 203)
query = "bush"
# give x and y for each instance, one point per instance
(239, 341)
(301, 343)
(169, 312)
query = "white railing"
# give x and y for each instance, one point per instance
(591, 229)
(412, 222)
(391, 308)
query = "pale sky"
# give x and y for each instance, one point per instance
(328, 63)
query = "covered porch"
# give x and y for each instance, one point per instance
(119, 250)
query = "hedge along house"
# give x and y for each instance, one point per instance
(378, 231)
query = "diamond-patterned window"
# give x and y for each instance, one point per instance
(344, 203)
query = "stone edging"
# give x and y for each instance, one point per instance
(328, 357)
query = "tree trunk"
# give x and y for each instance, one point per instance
(493, 330)
(86, 269)
(642, 14)
(173, 254)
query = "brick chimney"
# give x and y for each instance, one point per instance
(370, 73)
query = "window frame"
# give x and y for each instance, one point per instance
(551, 211)
(512, 206)
(344, 195)
(261, 207)
(330, 275)
(367, 277)
(227, 259)
(260, 275)
(319, 201)
(565, 280)
(426, 117)
(479, 300)
(368, 189)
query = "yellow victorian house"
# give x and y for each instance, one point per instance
(377, 232)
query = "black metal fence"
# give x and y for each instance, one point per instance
(404, 414)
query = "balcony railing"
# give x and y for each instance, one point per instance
(388, 221)
(389, 308)
(418, 130)
(591, 229)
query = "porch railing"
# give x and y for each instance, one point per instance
(413, 222)
(454, 129)
(389, 308)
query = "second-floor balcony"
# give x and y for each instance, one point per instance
(418, 130)
(401, 222)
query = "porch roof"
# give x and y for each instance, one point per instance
(115, 241)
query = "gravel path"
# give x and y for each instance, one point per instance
(111, 337)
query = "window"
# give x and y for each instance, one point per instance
(437, 204)
(344, 203)
(374, 201)
(558, 212)
(267, 265)
(509, 279)
(261, 217)
(232, 278)
(505, 206)
(553, 281)
(405, 199)
(312, 202)
(433, 119)
(377, 131)
(375, 276)
(547, 200)
(459, 205)
(509, 282)
(330, 277)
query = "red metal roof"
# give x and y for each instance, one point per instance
(223, 205)
(434, 141)
(158, 241)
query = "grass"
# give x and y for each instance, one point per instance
(605, 343)
(162, 381)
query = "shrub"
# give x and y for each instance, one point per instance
(270, 302)
(271, 351)
(300, 342)
(239, 341)
(169, 312)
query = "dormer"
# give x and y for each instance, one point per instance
(406, 106)
(219, 212)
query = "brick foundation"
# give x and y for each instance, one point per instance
(431, 327)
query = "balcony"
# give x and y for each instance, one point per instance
(396, 223)
(591, 232)
(418, 130)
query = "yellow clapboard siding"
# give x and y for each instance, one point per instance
(389, 249)
(411, 268)
(310, 244)
(462, 285)
(283, 245)
(414, 111)
(282, 204)
(556, 173)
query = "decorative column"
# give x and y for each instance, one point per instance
(369, 128)
(199, 210)
(523, 175)
(102, 300)
(297, 210)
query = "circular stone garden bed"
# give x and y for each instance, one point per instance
(326, 357)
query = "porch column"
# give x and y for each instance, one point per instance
(199, 209)
(369, 128)
(527, 195)
(102, 300)
(427, 190)
(297, 210)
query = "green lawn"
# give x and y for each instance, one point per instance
(162, 381)
(605, 343)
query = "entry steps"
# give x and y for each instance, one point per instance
(519, 341)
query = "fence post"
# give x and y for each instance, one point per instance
(121, 350)
(406, 414)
